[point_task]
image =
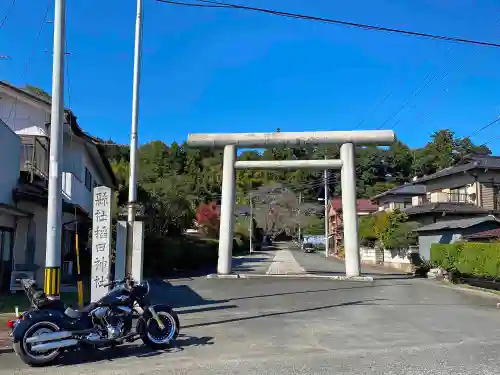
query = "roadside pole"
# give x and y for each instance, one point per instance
(326, 211)
(300, 228)
(52, 280)
(250, 225)
(132, 185)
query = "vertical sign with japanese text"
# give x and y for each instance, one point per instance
(101, 242)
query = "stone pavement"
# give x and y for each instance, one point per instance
(316, 327)
(284, 263)
(285, 259)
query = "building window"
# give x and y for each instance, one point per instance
(68, 242)
(458, 195)
(496, 197)
(88, 179)
(401, 205)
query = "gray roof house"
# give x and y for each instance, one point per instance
(446, 232)
(468, 189)
(399, 197)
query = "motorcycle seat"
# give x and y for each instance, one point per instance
(76, 314)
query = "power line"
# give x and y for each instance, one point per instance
(33, 52)
(7, 13)
(416, 92)
(446, 90)
(484, 127)
(220, 4)
(68, 82)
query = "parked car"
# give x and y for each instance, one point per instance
(309, 248)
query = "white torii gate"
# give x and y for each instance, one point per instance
(347, 140)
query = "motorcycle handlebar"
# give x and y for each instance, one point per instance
(117, 282)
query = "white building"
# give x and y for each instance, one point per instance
(24, 151)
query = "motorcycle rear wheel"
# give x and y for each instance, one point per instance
(156, 338)
(35, 359)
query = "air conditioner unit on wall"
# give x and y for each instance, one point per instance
(15, 284)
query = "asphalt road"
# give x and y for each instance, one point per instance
(276, 326)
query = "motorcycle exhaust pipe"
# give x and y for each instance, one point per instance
(41, 348)
(55, 336)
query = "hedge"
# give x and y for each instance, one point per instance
(163, 254)
(468, 258)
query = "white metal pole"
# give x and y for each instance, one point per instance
(227, 211)
(132, 185)
(54, 205)
(250, 226)
(351, 236)
(300, 227)
(326, 211)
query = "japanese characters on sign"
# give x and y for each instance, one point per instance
(101, 242)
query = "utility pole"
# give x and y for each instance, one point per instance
(54, 206)
(250, 225)
(132, 185)
(300, 228)
(335, 235)
(326, 212)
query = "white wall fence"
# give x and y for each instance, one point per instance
(399, 258)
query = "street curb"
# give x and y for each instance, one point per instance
(290, 276)
(6, 349)
(472, 290)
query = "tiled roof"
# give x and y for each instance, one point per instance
(492, 233)
(445, 207)
(458, 224)
(407, 189)
(364, 205)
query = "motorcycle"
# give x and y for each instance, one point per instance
(50, 327)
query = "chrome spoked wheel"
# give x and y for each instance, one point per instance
(158, 335)
(39, 329)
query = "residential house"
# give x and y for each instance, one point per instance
(364, 207)
(469, 189)
(84, 166)
(400, 197)
(10, 154)
(446, 232)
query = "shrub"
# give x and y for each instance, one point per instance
(468, 258)
(367, 233)
(341, 253)
(208, 218)
(164, 254)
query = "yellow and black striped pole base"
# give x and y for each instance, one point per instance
(52, 283)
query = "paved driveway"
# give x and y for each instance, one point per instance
(277, 326)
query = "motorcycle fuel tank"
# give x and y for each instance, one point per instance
(117, 296)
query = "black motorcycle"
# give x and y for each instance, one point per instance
(42, 333)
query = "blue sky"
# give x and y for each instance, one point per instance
(209, 70)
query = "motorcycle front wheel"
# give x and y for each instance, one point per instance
(30, 357)
(157, 338)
